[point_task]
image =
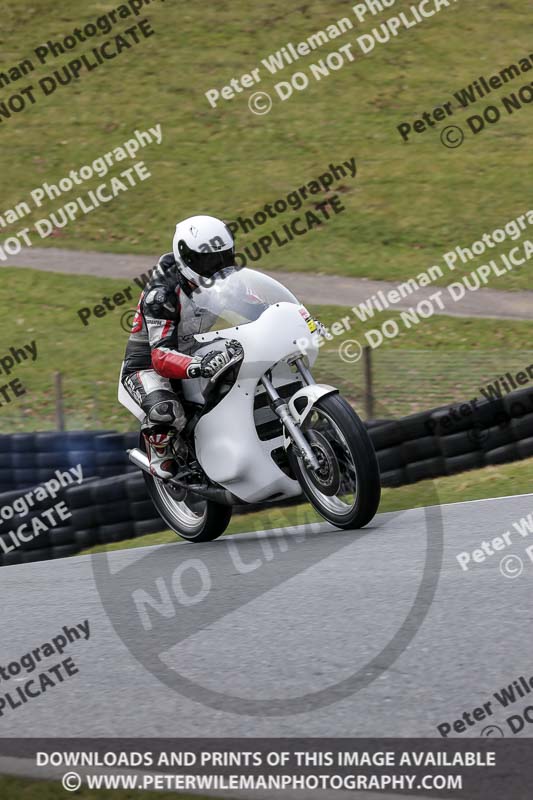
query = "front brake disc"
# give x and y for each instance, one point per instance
(327, 479)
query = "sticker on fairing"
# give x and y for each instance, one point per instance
(311, 324)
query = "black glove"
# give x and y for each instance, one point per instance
(208, 365)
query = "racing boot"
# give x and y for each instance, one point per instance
(160, 448)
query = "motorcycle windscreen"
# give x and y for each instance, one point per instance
(236, 296)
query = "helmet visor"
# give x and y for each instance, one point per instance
(206, 264)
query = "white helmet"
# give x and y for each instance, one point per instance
(203, 246)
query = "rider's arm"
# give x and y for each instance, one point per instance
(161, 310)
(161, 314)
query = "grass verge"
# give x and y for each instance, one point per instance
(411, 201)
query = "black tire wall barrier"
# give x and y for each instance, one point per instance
(112, 503)
(452, 439)
(27, 459)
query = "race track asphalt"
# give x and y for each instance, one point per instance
(305, 632)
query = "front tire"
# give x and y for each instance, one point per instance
(347, 489)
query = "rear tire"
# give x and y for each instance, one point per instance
(337, 421)
(190, 516)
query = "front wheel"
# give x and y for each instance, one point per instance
(346, 488)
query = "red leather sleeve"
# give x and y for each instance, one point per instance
(170, 364)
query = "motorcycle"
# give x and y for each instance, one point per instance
(261, 430)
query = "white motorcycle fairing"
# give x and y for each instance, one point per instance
(226, 440)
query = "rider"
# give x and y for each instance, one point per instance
(161, 344)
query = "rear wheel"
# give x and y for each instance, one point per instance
(190, 516)
(346, 489)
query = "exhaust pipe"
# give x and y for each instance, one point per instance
(215, 493)
(140, 459)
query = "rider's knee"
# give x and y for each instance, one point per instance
(167, 413)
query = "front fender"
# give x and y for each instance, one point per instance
(302, 402)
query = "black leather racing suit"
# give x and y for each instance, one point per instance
(160, 345)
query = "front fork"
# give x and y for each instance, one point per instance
(281, 408)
